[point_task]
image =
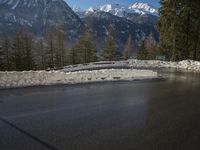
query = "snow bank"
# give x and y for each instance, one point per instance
(66, 76)
(33, 78)
(96, 65)
(186, 65)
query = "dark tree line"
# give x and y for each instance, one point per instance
(179, 28)
(84, 51)
(147, 48)
(16, 54)
(23, 51)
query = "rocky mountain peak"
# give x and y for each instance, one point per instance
(38, 15)
(144, 7)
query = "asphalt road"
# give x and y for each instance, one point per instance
(137, 115)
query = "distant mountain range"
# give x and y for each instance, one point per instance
(137, 20)
(120, 10)
(100, 23)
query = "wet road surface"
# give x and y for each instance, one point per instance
(136, 115)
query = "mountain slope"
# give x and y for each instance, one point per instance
(122, 10)
(137, 12)
(143, 8)
(137, 20)
(37, 16)
(100, 23)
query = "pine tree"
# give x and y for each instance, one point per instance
(50, 47)
(17, 52)
(110, 51)
(142, 51)
(84, 51)
(1, 59)
(41, 55)
(179, 28)
(194, 39)
(28, 47)
(73, 57)
(167, 26)
(21, 56)
(128, 48)
(5, 53)
(60, 46)
(150, 46)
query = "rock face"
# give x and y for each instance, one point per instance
(37, 16)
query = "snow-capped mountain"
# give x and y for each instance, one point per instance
(137, 20)
(101, 22)
(115, 9)
(143, 8)
(122, 10)
(37, 16)
(80, 12)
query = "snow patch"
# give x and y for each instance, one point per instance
(16, 4)
(185, 65)
(120, 10)
(35, 78)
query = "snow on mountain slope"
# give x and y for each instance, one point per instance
(13, 4)
(143, 8)
(37, 15)
(122, 10)
(115, 9)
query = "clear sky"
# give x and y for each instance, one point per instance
(84, 4)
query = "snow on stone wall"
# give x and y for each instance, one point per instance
(34, 78)
(185, 65)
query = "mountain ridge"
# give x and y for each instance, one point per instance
(120, 10)
(37, 16)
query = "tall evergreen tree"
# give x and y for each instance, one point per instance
(60, 46)
(5, 53)
(179, 28)
(110, 51)
(84, 51)
(41, 56)
(73, 55)
(128, 48)
(17, 52)
(150, 46)
(27, 51)
(1, 59)
(50, 47)
(22, 56)
(167, 26)
(142, 51)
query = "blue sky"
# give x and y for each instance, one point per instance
(88, 3)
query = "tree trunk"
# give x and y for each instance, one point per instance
(196, 45)
(174, 32)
